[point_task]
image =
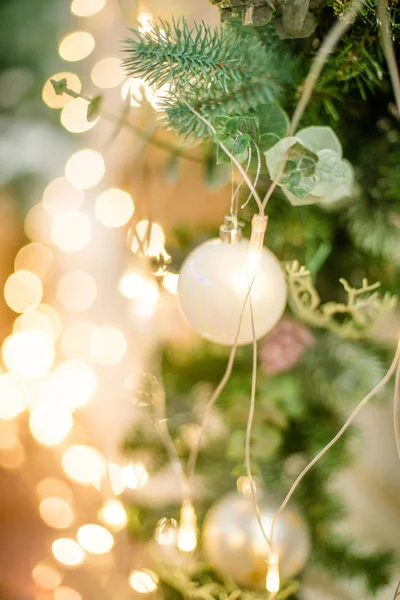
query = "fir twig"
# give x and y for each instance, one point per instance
(214, 70)
(362, 309)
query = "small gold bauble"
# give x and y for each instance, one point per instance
(234, 544)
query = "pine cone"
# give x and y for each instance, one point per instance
(284, 346)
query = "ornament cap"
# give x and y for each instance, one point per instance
(230, 231)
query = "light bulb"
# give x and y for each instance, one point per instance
(166, 532)
(187, 532)
(213, 285)
(272, 583)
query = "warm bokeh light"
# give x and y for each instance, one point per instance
(86, 8)
(145, 20)
(135, 475)
(50, 97)
(71, 231)
(68, 552)
(166, 532)
(114, 477)
(76, 291)
(187, 532)
(146, 304)
(114, 208)
(76, 46)
(76, 340)
(151, 236)
(66, 593)
(109, 345)
(50, 423)
(170, 283)
(95, 539)
(23, 291)
(36, 258)
(108, 73)
(76, 382)
(12, 396)
(45, 576)
(41, 390)
(137, 89)
(28, 353)
(132, 285)
(53, 315)
(34, 320)
(113, 514)
(12, 453)
(56, 512)
(85, 169)
(74, 116)
(52, 487)
(143, 581)
(37, 224)
(61, 196)
(83, 464)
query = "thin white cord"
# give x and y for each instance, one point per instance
(257, 172)
(351, 418)
(249, 428)
(191, 466)
(232, 157)
(396, 407)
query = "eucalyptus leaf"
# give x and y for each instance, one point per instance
(267, 140)
(241, 144)
(298, 163)
(275, 155)
(330, 173)
(272, 119)
(318, 138)
(94, 108)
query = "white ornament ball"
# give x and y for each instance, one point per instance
(234, 545)
(212, 287)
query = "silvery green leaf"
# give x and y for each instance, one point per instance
(305, 201)
(320, 138)
(273, 119)
(345, 189)
(275, 155)
(330, 172)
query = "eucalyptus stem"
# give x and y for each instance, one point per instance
(60, 87)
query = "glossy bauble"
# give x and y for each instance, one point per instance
(212, 288)
(234, 545)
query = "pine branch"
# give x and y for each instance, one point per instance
(217, 71)
(338, 556)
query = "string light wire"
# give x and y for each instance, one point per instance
(333, 441)
(192, 461)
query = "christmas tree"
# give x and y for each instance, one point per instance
(293, 108)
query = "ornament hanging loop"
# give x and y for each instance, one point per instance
(230, 231)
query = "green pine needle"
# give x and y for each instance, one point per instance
(216, 71)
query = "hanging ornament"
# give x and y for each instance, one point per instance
(234, 545)
(213, 284)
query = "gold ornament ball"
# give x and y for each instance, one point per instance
(234, 545)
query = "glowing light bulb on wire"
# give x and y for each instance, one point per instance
(187, 532)
(272, 582)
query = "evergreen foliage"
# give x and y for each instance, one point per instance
(211, 69)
